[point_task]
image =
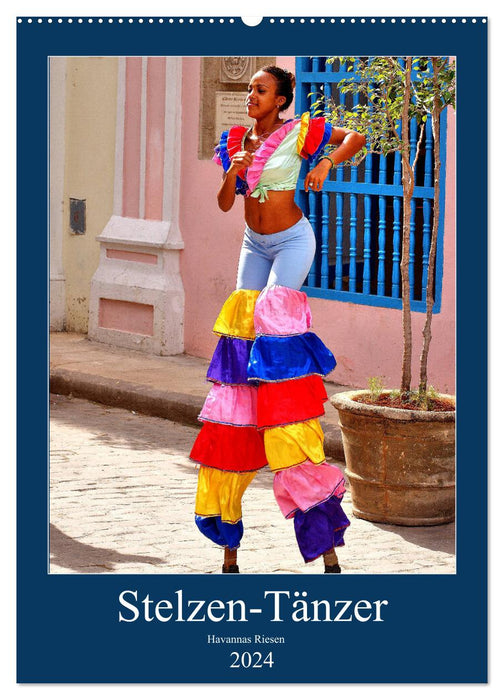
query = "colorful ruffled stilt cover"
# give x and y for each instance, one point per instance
(263, 408)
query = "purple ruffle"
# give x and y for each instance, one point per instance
(229, 361)
(320, 528)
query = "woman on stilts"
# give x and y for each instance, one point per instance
(267, 391)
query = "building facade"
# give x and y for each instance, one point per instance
(131, 137)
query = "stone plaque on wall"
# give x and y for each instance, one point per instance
(230, 110)
(223, 85)
(236, 69)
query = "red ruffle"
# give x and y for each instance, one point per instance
(313, 136)
(234, 143)
(230, 448)
(291, 401)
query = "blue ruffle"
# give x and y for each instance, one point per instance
(223, 534)
(323, 143)
(222, 150)
(277, 358)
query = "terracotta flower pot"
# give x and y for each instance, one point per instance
(400, 463)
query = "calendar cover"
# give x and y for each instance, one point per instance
(256, 285)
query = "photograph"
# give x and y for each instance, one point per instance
(252, 314)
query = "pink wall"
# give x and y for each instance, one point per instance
(367, 341)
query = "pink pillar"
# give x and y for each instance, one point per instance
(154, 161)
(137, 296)
(132, 138)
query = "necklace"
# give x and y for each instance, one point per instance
(257, 140)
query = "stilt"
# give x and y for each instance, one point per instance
(331, 562)
(230, 566)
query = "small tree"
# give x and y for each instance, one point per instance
(395, 91)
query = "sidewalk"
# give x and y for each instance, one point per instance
(167, 387)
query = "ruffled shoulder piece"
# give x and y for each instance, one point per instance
(229, 144)
(266, 151)
(313, 136)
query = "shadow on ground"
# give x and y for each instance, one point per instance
(82, 558)
(438, 538)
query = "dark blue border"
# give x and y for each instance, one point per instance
(436, 626)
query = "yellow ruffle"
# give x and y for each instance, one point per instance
(220, 493)
(305, 123)
(288, 445)
(236, 318)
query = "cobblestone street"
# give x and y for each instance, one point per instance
(122, 501)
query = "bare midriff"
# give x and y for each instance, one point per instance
(276, 214)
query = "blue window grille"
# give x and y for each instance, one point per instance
(357, 218)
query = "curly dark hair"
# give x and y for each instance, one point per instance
(286, 83)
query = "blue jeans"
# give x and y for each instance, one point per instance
(282, 258)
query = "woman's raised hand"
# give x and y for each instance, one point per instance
(240, 161)
(315, 178)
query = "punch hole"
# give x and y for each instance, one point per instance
(251, 21)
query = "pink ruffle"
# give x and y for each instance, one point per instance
(231, 405)
(306, 485)
(264, 152)
(282, 311)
